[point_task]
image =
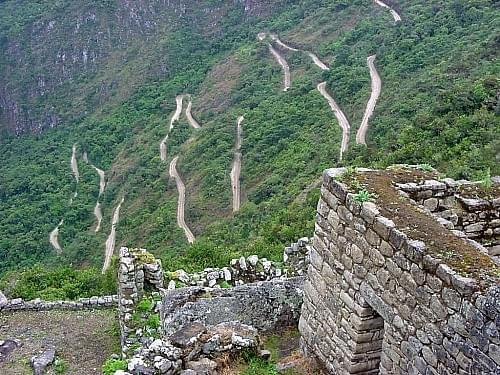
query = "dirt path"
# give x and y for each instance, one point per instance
(190, 117)
(372, 102)
(276, 39)
(342, 119)
(261, 36)
(284, 66)
(98, 216)
(102, 179)
(74, 165)
(102, 187)
(236, 169)
(181, 188)
(317, 61)
(110, 242)
(395, 14)
(175, 117)
(54, 238)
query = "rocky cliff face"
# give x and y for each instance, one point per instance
(70, 60)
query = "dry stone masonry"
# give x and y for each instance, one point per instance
(96, 302)
(247, 270)
(459, 208)
(377, 301)
(198, 323)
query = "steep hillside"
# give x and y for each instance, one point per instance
(97, 50)
(438, 104)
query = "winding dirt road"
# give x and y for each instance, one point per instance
(102, 187)
(98, 216)
(181, 188)
(395, 14)
(54, 235)
(74, 165)
(317, 61)
(175, 117)
(372, 102)
(284, 66)
(236, 168)
(110, 242)
(276, 39)
(54, 238)
(190, 117)
(342, 119)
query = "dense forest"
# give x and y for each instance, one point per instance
(439, 105)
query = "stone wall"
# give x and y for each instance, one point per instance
(461, 209)
(198, 324)
(377, 301)
(247, 270)
(137, 269)
(96, 302)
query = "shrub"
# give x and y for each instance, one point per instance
(364, 196)
(112, 365)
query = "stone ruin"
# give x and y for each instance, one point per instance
(213, 312)
(404, 286)
(409, 285)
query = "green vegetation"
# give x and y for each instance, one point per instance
(145, 317)
(60, 366)
(364, 196)
(113, 365)
(438, 107)
(485, 179)
(59, 283)
(257, 366)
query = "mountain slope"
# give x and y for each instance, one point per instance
(438, 105)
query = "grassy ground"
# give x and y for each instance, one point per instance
(83, 340)
(284, 348)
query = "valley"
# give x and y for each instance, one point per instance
(437, 107)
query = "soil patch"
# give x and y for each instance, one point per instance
(479, 190)
(82, 339)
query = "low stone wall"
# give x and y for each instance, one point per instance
(378, 302)
(248, 270)
(96, 302)
(454, 201)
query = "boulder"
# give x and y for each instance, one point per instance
(40, 362)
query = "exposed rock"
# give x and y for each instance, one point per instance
(7, 347)
(188, 334)
(203, 367)
(265, 305)
(3, 300)
(283, 367)
(265, 354)
(40, 362)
